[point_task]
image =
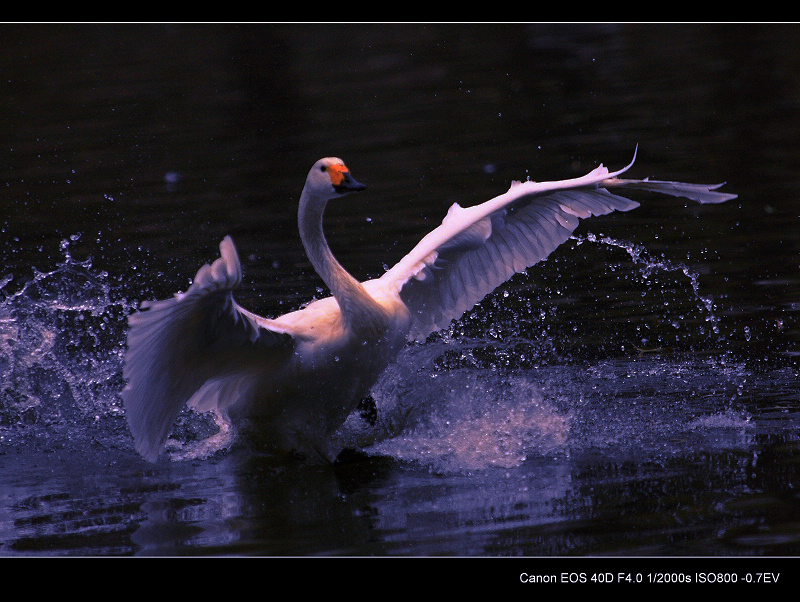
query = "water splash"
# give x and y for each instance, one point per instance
(61, 342)
(464, 420)
(649, 265)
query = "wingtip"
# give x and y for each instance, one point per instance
(628, 166)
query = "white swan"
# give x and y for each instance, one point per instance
(300, 375)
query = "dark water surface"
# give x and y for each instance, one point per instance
(636, 394)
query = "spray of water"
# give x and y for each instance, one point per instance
(61, 340)
(649, 264)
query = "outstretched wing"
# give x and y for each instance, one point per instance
(478, 248)
(190, 348)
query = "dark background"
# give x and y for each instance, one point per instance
(129, 151)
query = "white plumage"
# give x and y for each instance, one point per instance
(298, 376)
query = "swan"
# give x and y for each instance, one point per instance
(298, 376)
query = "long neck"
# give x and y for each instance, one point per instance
(353, 300)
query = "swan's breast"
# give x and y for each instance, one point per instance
(319, 320)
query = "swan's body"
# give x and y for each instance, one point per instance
(301, 374)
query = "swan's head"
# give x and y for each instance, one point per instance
(330, 178)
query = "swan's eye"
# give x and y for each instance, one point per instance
(323, 168)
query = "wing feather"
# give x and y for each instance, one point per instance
(478, 248)
(188, 346)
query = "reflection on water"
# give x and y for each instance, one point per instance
(635, 394)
